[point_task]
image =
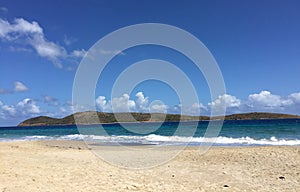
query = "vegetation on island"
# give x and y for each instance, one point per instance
(88, 117)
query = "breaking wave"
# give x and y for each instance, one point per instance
(165, 140)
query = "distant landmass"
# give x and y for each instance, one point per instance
(88, 118)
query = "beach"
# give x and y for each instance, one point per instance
(71, 166)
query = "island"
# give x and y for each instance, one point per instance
(88, 118)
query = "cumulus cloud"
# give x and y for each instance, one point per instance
(195, 109)
(7, 111)
(61, 109)
(28, 106)
(142, 102)
(266, 99)
(31, 34)
(122, 104)
(158, 108)
(25, 108)
(19, 87)
(20, 27)
(262, 101)
(125, 104)
(102, 104)
(295, 97)
(229, 102)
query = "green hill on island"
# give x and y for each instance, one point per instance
(87, 118)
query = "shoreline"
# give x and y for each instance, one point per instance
(83, 145)
(156, 143)
(68, 166)
(136, 144)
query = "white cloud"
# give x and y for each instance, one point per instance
(69, 40)
(51, 100)
(1, 112)
(9, 109)
(61, 109)
(199, 106)
(142, 102)
(78, 53)
(4, 28)
(23, 109)
(19, 87)
(6, 110)
(95, 53)
(23, 26)
(263, 101)
(102, 104)
(28, 106)
(227, 101)
(295, 97)
(30, 34)
(79, 108)
(111, 52)
(158, 108)
(266, 99)
(48, 49)
(20, 27)
(122, 104)
(19, 49)
(195, 109)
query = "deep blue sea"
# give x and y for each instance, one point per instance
(233, 133)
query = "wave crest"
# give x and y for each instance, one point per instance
(164, 140)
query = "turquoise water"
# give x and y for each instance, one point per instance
(233, 132)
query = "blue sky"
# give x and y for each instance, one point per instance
(255, 43)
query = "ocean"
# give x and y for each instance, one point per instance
(233, 133)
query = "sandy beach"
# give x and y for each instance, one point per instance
(70, 166)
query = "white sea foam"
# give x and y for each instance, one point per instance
(165, 140)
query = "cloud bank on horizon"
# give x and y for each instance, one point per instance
(263, 101)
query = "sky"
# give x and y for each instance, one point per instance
(256, 45)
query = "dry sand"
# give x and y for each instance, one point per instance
(69, 166)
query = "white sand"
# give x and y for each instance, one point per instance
(40, 166)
